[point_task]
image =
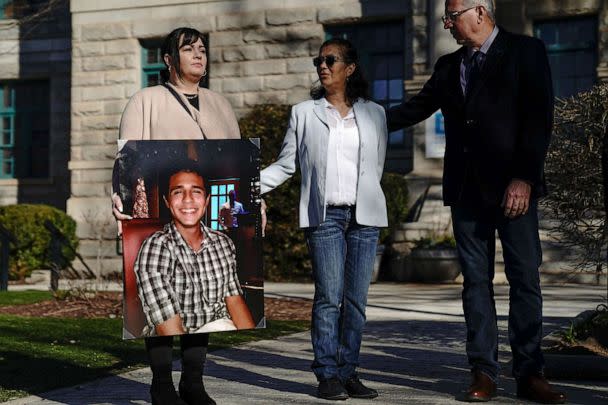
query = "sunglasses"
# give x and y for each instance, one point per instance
(329, 60)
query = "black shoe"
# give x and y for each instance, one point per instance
(193, 393)
(332, 389)
(356, 389)
(164, 394)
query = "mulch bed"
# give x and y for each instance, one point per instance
(109, 304)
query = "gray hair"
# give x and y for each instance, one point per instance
(489, 5)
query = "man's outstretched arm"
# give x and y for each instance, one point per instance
(417, 108)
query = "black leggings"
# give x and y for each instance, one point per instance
(193, 353)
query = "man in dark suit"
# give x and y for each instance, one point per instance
(497, 101)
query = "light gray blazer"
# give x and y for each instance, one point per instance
(305, 145)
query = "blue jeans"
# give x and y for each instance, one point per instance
(474, 229)
(342, 254)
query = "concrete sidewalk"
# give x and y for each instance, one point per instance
(413, 353)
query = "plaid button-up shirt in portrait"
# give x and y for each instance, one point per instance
(173, 279)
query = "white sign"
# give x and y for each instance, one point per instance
(435, 136)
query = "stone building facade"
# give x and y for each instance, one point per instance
(260, 52)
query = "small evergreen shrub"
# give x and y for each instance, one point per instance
(26, 223)
(397, 197)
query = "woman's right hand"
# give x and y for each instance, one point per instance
(117, 211)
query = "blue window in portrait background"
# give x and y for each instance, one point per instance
(219, 195)
(24, 129)
(572, 50)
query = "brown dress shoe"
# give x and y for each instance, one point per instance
(482, 388)
(538, 389)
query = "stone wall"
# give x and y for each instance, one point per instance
(260, 52)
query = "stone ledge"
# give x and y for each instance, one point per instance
(90, 164)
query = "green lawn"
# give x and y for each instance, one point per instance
(23, 297)
(40, 354)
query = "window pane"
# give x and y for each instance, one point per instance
(223, 200)
(7, 168)
(222, 190)
(230, 187)
(396, 138)
(214, 190)
(381, 69)
(7, 153)
(214, 207)
(152, 56)
(396, 66)
(7, 96)
(153, 79)
(379, 92)
(214, 225)
(6, 138)
(395, 89)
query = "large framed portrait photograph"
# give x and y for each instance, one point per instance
(192, 252)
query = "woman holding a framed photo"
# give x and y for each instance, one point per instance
(177, 109)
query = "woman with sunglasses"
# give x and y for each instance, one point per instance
(338, 139)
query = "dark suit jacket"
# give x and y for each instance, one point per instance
(501, 130)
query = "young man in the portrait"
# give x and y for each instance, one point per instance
(186, 273)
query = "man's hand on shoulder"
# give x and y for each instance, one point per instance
(516, 200)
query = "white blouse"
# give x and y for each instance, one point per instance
(342, 157)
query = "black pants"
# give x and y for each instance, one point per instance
(474, 230)
(193, 354)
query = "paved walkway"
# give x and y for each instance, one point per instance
(413, 353)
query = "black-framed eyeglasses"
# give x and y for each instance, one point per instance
(451, 17)
(329, 60)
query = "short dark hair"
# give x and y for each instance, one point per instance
(171, 47)
(187, 167)
(356, 84)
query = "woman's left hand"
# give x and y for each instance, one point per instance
(264, 219)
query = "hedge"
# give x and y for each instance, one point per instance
(26, 223)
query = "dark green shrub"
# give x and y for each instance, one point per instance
(437, 242)
(26, 223)
(285, 251)
(396, 193)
